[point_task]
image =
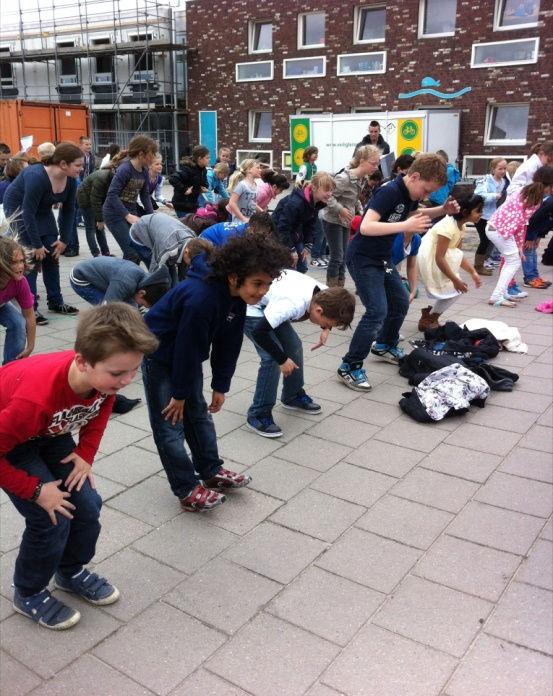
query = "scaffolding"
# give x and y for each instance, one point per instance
(125, 59)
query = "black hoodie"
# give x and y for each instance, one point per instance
(381, 144)
(189, 175)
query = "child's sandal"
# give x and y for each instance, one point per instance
(502, 303)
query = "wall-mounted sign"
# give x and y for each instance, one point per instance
(427, 87)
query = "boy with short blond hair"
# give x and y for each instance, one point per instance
(43, 399)
(392, 209)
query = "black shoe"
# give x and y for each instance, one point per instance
(40, 318)
(63, 309)
(124, 405)
(70, 252)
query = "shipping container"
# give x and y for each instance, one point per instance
(44, 121)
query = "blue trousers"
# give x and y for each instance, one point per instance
(530, 265)
(119, 228)
(96, 239)
(16, 331)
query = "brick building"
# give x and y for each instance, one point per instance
(256, 62)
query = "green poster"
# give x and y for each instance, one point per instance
(300, 138)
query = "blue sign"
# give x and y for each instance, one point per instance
(427, 87)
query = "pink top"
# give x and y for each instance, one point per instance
(19, 291)
(265, 194)
(511, 219)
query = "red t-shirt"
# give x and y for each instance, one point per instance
(37, 401)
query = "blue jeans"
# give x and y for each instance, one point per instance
(301, 265)
(94, 236)
(268, 374)
(73, 240)
(386, 304)
(16, 331)
(338, 238)
(319, 243)
(50, 275)
(143, 252)
(88, 292)
(45, 547)
(530, 265)
(119, 228)
(196, 428)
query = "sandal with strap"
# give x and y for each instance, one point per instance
(503, 302)
(227, 479)
(201, 499)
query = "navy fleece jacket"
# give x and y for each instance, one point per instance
(196, 316)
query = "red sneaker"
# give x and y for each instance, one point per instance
(201, 500)
(227, 479)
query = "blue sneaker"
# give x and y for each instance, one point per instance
(354, 377)
(89, 586)
(264, 426)
(46, 610)
(515, 292)
(391, 354)
(302, 402)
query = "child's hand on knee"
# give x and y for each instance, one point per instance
(53, 500)
(288, 367)
(80, 472)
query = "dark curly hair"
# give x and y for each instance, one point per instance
(247, 255)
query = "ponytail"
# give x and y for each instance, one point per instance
(273, 179)
(533, 193)
(240, 174)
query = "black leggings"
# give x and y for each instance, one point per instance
(484, 244)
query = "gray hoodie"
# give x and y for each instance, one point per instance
(164, 235)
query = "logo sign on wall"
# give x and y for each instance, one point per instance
(300, 138)
(428, 86)
(409, 136)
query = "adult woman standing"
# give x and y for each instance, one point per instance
(492, 188)
(31, 197)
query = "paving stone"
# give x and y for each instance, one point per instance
(313, 452)
(388, 459)
(292, 424)
(322, 690)
(326, 604)
(334, 391)
(239, 402)
(88, 674)
(546, 418)
(405, 521)
(463, 463)
(160, 647)
(246, 447)
(279, 478)
(253, 658)
(203, 683)
(21, 637)
(150, 501)
(547, 532)
(524, 616)
(355, 484)
(276, 552)
(416, 436)
(367, 411)
(223, 594)
(7, 565)
(468, 567)
(513, 420)
(434, 615)
(369, 560)
(379, 663)
(529, 464)
(186, 543)
(129, 466)
(535, 385)
(502, 669)
(107, 488)
(16, 679)
(12, 525)
(147, 443)
(6, 608)
(140, 579)
(515, 493)
(537, 569)
(524, 401)
(119, 435)
(243, 510)
(500, 529)
(322, 516)
(347, 432)
(538, 438)
(435, 489)
(388, 394)
(483, 439)
(539, 370)
(138, 417)
(118, 530)
(315, 375)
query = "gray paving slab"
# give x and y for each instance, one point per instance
(538, 438)
(413, 435)
(12, 525)
(528, 464)
(150, 501)
(279, 478)
(246, 447)
(16, 676)
(243, 510)
(312, 452)
(6, 608)
(461, 462)
(547, 532)
(367, 411)
(354, 483)
(203, 682)
(537, 569)
(483, 439)
(118, 531)
(511, 419)
(516, 493)
(437, 490)
(386, 458)
(129, 466)
(343, 430)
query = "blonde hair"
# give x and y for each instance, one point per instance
(324, 181)
(430, 167)
(45, 150)
(221, 168)
(240, 173)
(495, 162)
(364, 153)
(512, 166)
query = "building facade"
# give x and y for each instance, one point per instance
(256, 62)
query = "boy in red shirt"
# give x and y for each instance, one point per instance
(43, 399)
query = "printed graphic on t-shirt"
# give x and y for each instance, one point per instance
(70, 419)
(397, 214)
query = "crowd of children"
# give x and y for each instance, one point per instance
(245, 273)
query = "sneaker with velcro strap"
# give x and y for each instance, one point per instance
(45, 610)
(89, 586)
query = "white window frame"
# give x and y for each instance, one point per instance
(240, 155)
(251, 36)
(308, 110)
(506, 141)
(360, 72)
(357, 13)
(489, 158)
(421, 34)
(533, 60)
(497, 15)
(303, 77)
(251, 125)
(365, 110)
(255, 79)
(283, 156)
(301, 20)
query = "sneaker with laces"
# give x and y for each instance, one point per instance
(515, 292)
(90, 586)
(354, 377)
(227, 479)
(536, 284)
(40, 319)
(63, 308)
(46, 610)
(264, 426)
(302, 402)
(202, 499)
(320, 263)
(391, 354)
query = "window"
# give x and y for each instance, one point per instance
(477, 166)
(513, 14)
(437, 17)
(143, 60)
(293, 68)
(261, 37)
(286, 161)
(507, 124)
(311, 30)
(253, 72)
(308, 110)
(369, 24)
(6, 69)
(264, 156)
(516, 52)
(67, 66)
(361, 63)
(261, 126)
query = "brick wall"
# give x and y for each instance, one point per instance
(218, 29)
